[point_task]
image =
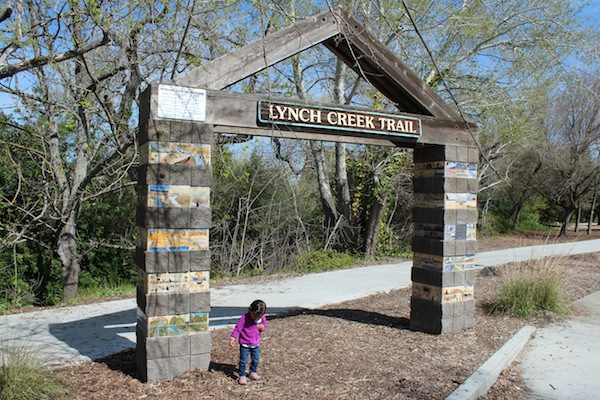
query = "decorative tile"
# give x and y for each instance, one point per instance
(199, 197)
(178, 196)
(173, 282)
(457, 294)
(454, 169)
(471, 232)
(192, 154)
(176, 325)
(456, 201)
(459, 263)
(175, 239)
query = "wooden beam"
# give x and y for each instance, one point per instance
(393, 78)
(248, 60)
(287, 133)
(237, 113)
(348, 40)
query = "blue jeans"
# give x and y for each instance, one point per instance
(254, 354)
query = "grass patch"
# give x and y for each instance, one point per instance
(324, 260)
(23, 377)
(93, 293)
(530, 289)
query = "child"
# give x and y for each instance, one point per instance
(248, 330)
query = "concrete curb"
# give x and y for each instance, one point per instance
(482, 380)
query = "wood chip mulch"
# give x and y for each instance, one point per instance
(360, 349)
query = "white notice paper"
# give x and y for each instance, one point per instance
(176, 102)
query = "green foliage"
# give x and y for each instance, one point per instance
(107, 290)
(530, 291)
(505, 218)
(391, 244)
(23, 377)
(324, 260)
(260, 213)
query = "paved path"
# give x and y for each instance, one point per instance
(73, 334)
(562, 362)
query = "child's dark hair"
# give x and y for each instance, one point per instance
(259, 307)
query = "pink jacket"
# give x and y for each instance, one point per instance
(246, 330)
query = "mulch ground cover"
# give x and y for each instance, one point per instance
(360, 349)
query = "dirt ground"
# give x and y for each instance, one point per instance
(361, 349)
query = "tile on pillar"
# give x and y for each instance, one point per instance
(179, 261)
(462, 154)
(200, 343)
(200, 217)
(179, 174)
(154, 174)
(182, 131)
(451, 153)
(200, 361)
(158, 131)
(473, 155)
(204, 134)
(154, 261)
(179, 346)
(157, 305)
(200, 260)
(157, 348)
(200, 301)
(158, 369)
(179, 303)
(201, 177)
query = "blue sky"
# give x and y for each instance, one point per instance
(590, 15)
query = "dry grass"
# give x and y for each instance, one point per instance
(532, 288)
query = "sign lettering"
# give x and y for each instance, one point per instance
(280, 113)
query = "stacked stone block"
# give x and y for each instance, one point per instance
(172, 254)
(444, 242)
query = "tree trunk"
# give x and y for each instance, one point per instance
(373, 226)
(578, 219)
(67, 252)
(516, 215)
(331, 214)
(591, 219)
(341, 178)
(564, 228)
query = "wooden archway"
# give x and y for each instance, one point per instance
(178, 121)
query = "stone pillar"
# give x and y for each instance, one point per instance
(444, 243)
(172, 253)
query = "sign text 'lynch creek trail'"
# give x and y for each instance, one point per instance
(338, 119)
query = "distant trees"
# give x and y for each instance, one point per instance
(75, 70)
(68, 151)
(570, 154)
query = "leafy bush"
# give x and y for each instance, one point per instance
(23, 377)
(390, 244)
(531, 290)
(324, 260)
(104, 290)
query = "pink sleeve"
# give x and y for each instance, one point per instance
(264, 322)
(235, 333)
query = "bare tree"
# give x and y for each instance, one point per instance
(77, 71)
(571, 158)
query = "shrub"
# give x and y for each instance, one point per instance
(531, 289)
(23, 377)
(324, 260)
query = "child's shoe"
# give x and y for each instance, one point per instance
(254, 376)
(243, 380)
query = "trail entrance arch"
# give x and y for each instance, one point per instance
(176, 128)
